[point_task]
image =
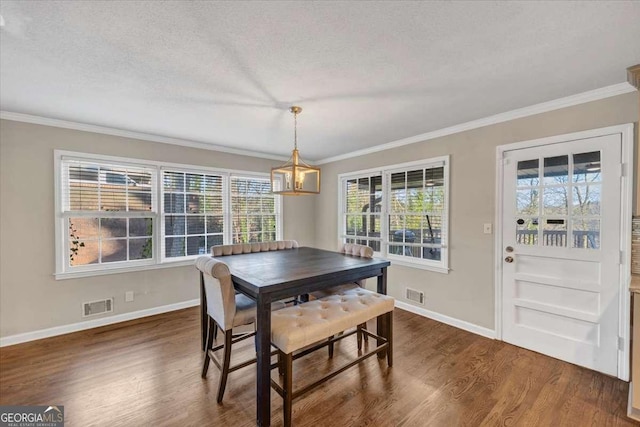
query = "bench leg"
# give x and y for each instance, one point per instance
(330, 347)
(288, 388)
(359, 335)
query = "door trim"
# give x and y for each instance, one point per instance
(626, 132)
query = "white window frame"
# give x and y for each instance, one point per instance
(385, 172)
(158, 260)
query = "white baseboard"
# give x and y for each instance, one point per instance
(94, 323)
(461, 324)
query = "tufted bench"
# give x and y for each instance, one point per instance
(247, 248)
(298, 327)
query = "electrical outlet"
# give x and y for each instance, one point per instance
(128, 296)
(488, 229)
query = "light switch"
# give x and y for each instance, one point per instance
(488, 228)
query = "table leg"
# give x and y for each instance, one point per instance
(381, 321)
(263, 373)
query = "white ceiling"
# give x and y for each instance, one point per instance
(365, 73)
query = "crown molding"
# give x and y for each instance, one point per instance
(633, 76)
(581, 98)
(27, 118)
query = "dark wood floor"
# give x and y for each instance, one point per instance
(147, 372)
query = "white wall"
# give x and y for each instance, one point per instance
(467, 292)
(30, 298)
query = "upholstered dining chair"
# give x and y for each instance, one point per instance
(352, 249)
(225, 310)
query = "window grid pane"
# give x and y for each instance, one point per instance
(416, 213)
(190, 202)
(253, 208)
(414, 223)
(108, 239)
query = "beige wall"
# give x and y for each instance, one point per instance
(467, 292)
(30, 298)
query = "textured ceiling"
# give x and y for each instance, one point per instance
(365, 73)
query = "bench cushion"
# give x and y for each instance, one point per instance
(295, 327)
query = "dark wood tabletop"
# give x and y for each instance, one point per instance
(274, 275)
(293, 272)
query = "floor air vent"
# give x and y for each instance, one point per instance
(97, 307)
(417, 296)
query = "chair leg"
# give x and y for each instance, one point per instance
(215, 331)
(390, 339)
(211, 326)
(287, 384)
(280, 364)
(228, 335)
(330, 347)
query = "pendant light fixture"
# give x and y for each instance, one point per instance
(295, 177)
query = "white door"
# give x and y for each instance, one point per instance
(561, 250)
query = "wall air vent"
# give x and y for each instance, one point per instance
(97, 307)
(413, 295)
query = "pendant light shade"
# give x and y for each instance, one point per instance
(295, 177)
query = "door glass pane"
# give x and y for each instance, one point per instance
(527, 231)
(555, 232)
(586, 167)
(586, 233)
(555, 200)
(527, 202)
(586, 199)
(528, 172)
(556, 170)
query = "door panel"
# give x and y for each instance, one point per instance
(561, 217)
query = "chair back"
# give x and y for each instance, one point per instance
(357, 250)
(247, 248)
(219, 291)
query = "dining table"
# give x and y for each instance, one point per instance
(278, 275)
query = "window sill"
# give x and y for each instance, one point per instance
(119, 270)
(405, 263)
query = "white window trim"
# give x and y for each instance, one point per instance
(443, 265)
(158, 261)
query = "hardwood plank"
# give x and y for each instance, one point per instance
(147, 372)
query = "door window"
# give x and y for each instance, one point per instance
(558, 205)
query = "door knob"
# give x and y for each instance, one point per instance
(508, 259)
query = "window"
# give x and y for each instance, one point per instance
(193, 213)
(254, 210)
(400, 212)
(108, 213)
(116, 213)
